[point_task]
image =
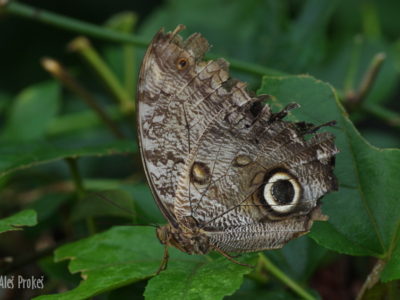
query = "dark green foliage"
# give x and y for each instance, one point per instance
(71, 190)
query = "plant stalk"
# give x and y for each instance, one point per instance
(82, 46)
(294, 286)
(372, 278)
(59, 72)
(80, 190)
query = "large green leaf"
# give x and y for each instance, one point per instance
(24, 155)
(111, 259)
(33, 110)
(363, 214)
(79, 121)
(124, 255)
(17, 221)
(202, 280)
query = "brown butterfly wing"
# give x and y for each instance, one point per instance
(209, 150)
(169, 120)
(237, 159)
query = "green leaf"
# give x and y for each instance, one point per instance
(14, 157)
(117, 257)
(33, 110)
(19, 220)
(123, 255)
(363, 214)
(203, 280)
(80, 121)
(382, 139)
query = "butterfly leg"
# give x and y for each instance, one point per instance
(232, 259)
(164, 262)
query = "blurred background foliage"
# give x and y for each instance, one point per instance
(334, 41)
(339, 42)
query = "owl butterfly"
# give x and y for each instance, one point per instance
(228, 174)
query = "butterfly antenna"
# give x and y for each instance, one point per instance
(113, 203)
(122, 208)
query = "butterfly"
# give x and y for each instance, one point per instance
(228, 174)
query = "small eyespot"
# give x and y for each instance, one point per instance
(182, 63)
(282, 192)
(241, 160)
(200, 173)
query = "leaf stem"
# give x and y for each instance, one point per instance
(370, 20)
(390, 117)
(77, 179)
(84, 28)
(353, 65)
(125, 22)
(370, 76)
(129, 59)
(268, 265)
(82, 46)
(372, 278)
(247, 67)
(80, 190)
(59, 72)
(355, 100)
(70, 24)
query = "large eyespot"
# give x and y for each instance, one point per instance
(282, 192)
(182, 63)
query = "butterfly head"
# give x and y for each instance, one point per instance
(163, 234)
(183, 239)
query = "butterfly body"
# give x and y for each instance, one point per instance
(187, 240)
